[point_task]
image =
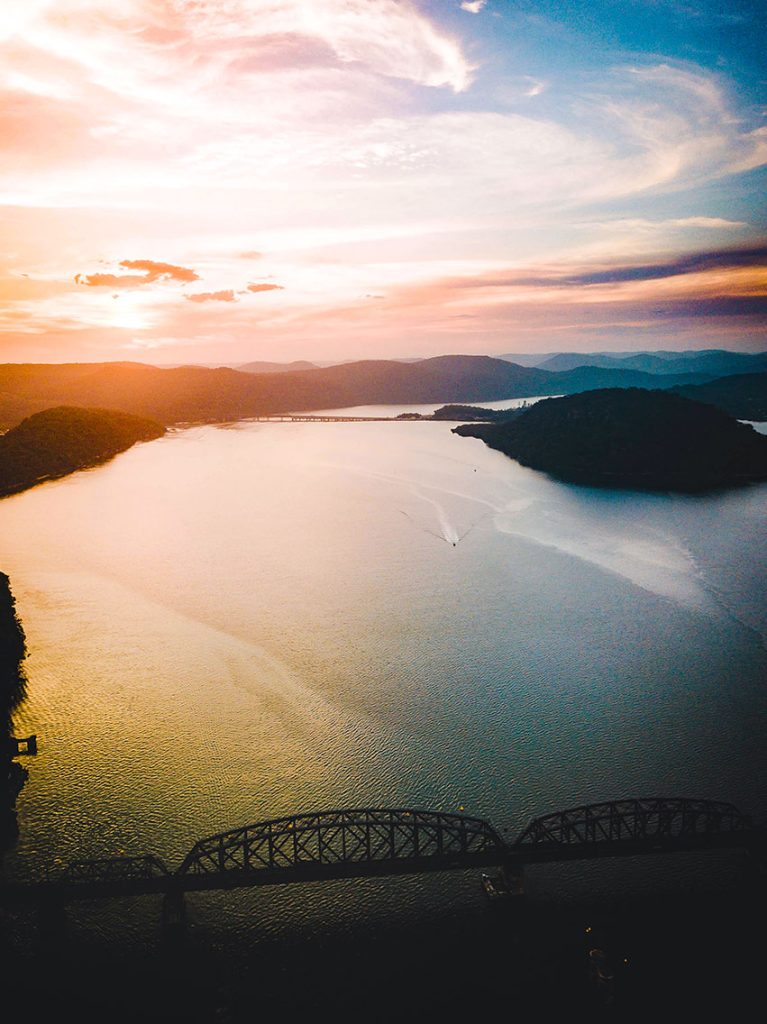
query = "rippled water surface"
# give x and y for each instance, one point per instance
(235, 623)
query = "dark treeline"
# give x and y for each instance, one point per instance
(465, 414)
(651, 440)
(59, 441)
(12, 689)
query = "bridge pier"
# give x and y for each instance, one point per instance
(513, 876)
(51, 924)
(173, 915)
(755, 859)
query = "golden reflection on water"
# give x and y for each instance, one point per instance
(230, 625)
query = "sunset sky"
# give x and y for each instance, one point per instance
(226, 180)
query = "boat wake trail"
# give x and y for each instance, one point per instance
(449, 535)
(425, 529)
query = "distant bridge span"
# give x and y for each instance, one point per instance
(319, 418)
(369, 842)
(633, 827)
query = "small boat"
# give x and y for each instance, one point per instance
(494, 886)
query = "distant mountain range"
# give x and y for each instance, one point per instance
(197, 394)
(717, 362)
(743, 396)
(200, 394)
(261, 367)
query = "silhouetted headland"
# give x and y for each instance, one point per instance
(59, 441)
(650, 440)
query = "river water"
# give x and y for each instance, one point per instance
(238, 622)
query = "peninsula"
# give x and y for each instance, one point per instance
(56, 442)
(631, 438)
(466, 414)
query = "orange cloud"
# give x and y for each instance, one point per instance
(227, 295)
(151, 271)
(115, 280)
(265, 288)
(157, 270)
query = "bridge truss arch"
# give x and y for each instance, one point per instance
(347, 842)
(636, 821)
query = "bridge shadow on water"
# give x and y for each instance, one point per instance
(666, 957)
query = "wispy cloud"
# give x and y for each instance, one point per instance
(390, 37)
(393, 148)
(692, 263)
(664, 224)
(534, 87)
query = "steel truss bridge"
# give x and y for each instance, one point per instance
(370, 842)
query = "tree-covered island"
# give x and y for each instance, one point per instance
(630, 437)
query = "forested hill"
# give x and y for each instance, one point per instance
(743, 396)
(200, 394)
(652, 440)
(59, 441)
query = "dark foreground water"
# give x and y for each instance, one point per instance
(674, 958)
(232, 624)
